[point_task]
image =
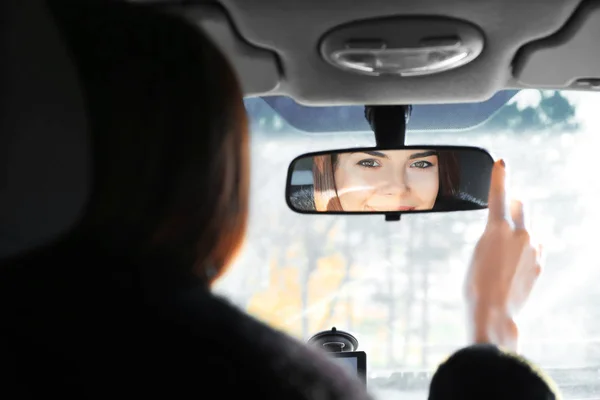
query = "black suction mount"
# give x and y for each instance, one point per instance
(334, 341)
(389, 125)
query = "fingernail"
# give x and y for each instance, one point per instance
(501, 161)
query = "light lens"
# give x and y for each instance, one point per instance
(403, 62)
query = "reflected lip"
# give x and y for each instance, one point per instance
(400, 208)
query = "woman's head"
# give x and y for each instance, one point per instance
(170, 143)
(388, 180)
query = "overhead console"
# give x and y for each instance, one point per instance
(569, 58)
(402, 46)
(419, 52)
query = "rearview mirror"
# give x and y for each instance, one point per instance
(411, 179)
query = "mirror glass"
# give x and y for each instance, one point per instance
(373, 181)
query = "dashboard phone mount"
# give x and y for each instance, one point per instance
(334, 341)
(341, 346)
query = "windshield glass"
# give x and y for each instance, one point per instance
(397, 286)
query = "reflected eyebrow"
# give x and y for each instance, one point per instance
(374, 154)
(423, 154)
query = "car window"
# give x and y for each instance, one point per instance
(397, 285)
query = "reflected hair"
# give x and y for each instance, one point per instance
(449, 172)
(325, 190)
(326, 195)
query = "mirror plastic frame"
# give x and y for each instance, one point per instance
(363, 149)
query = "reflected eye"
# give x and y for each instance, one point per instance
(421, 164)
(369, 163)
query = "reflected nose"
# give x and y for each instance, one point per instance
(395, 185)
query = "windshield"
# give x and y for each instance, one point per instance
(397, 286)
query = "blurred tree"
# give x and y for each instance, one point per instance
(554, 112)
(298, 290)
(315, 240)
(557, 109)
(280, 299)
(350, 239)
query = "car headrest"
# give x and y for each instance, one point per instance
(44, 134)
(80, 79)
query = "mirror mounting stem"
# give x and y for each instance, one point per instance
(388, 124)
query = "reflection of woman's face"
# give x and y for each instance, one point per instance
(393, 180)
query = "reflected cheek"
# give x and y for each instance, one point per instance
(425, 186)
(354, 199)
(353, 188)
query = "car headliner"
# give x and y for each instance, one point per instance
(274, 46)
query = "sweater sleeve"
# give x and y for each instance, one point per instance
(487, 372)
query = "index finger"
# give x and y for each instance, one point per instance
(497, 195)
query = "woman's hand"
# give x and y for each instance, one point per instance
(503, 270)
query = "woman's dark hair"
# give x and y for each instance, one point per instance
(449, 174)
(169, 139)
(326, 196)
